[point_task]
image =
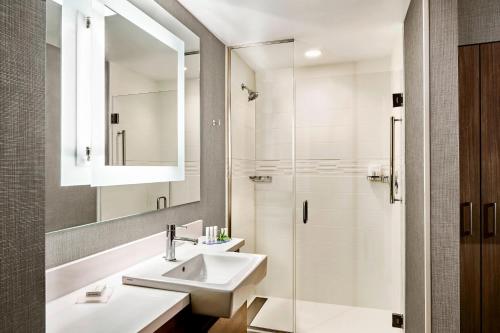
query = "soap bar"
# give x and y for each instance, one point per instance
(96, 290)
(103, 298)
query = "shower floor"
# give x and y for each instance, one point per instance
(276, 315)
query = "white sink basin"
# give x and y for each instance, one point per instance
(210, 268)
(218, 283)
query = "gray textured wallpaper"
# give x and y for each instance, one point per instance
(65, 206)
(22, 124)
(75, 243)
(414, 169)
(445, 190)
(479, 21)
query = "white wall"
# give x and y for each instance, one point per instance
(243, 154)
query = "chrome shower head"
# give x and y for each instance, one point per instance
(252, 95)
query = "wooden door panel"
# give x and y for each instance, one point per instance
(470, 188)
(490, 184)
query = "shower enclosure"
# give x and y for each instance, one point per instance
(316, 183)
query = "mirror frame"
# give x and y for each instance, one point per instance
(75, 92)
(96, 172)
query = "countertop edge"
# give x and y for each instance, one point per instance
(166, 316)
(111, 280)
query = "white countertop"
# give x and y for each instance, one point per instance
(130, 308)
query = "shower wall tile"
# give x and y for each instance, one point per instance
(350, 219)
(336, 92)
(336, 114)
(242, 111)
(274, 234)
(243, 154)
(274, 115)
(342, 125)
(274, 201)
(243, 203)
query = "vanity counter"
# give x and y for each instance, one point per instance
(130, 308)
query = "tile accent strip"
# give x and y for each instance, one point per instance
(317, 167)
(243, 168)
(192, 168)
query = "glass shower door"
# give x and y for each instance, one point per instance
(262, 191)
(348, 235)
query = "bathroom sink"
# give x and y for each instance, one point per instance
(218, 283)
(210, 268)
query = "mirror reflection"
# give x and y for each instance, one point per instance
(141, 82)
(140, 88)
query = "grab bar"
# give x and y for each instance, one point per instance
(305, 211)
(392, 198)
(124, 142)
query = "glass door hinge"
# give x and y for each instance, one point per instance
(88, 152)
(397, 100)
(397, 320)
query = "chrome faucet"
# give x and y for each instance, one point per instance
(171, 238)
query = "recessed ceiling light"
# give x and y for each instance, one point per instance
(314, 53)
(185, 68)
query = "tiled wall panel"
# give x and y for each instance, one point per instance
(274, 201)
(342, 126)
(243, 153)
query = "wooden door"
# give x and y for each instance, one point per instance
(490, 184)
(470, 189)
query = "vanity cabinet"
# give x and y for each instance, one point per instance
(479, 129)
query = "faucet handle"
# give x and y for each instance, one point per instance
(173, 227)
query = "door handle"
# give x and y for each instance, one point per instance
(466, 218)
(490, 219)
(392, 197)
(305, 211)
(124, 147)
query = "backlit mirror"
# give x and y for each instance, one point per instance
(138, 87)
(71, 206)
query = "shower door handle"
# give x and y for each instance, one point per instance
(392, 198)
(124, 142)
(305, 211)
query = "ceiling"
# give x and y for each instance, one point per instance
(344, 30)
